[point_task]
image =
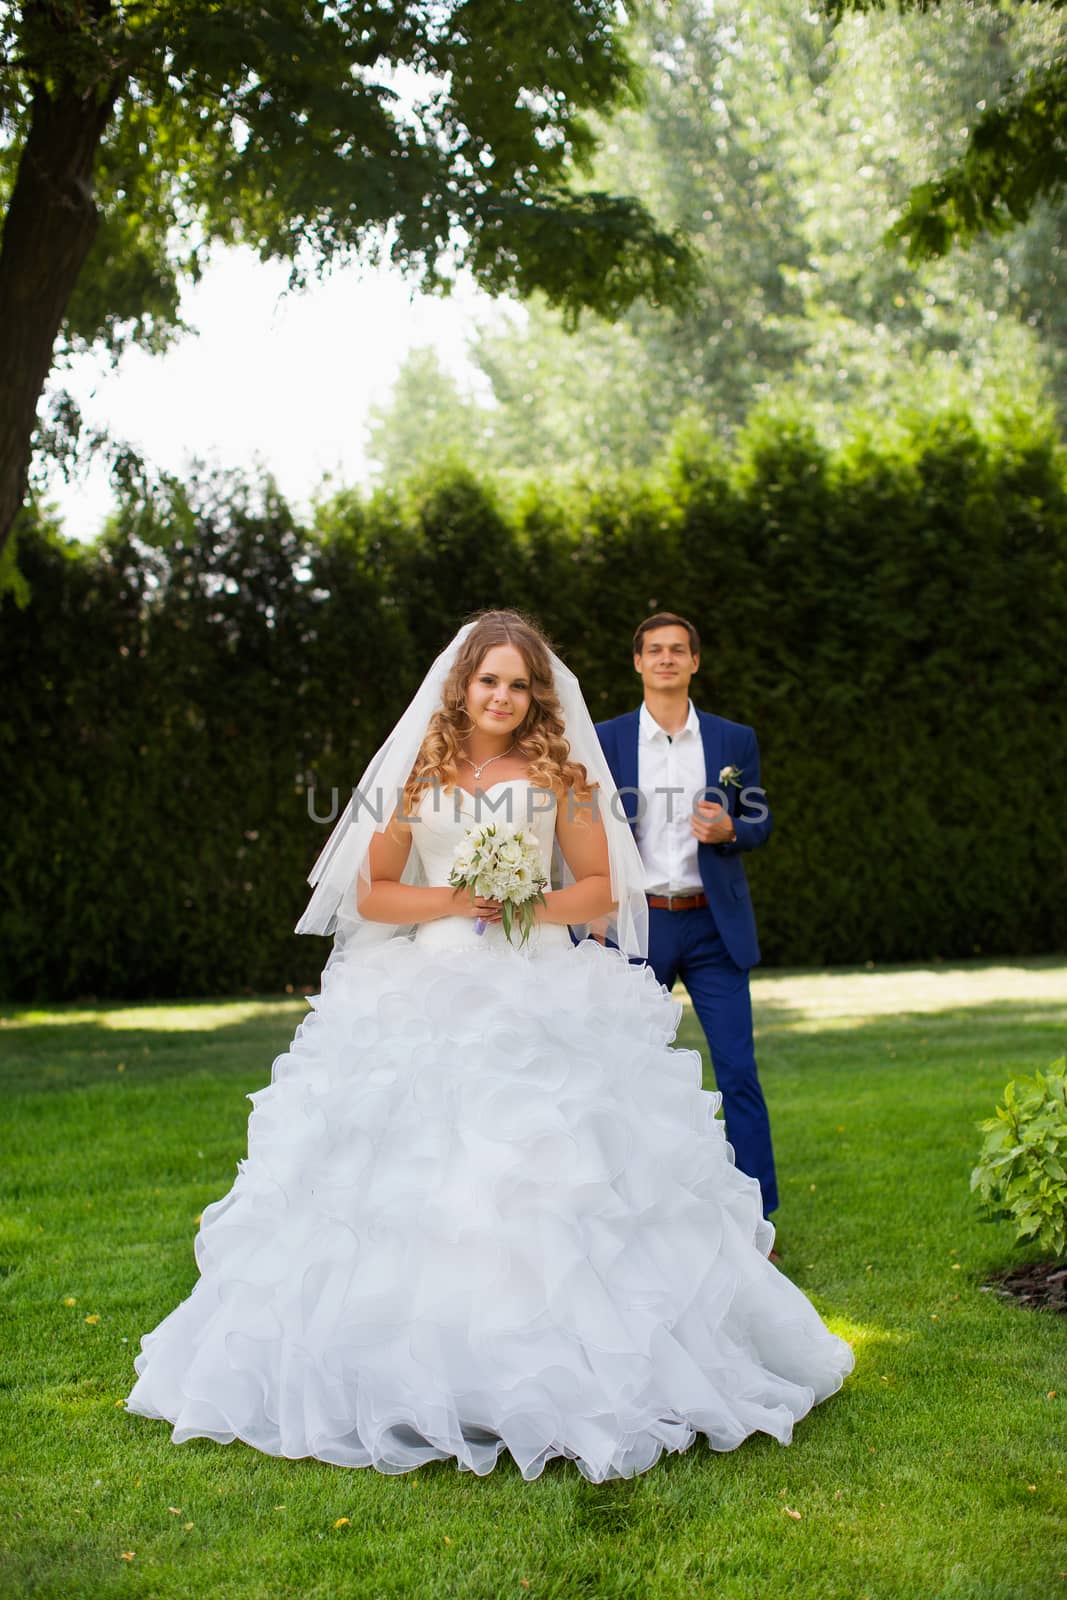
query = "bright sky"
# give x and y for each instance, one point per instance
(285, 380)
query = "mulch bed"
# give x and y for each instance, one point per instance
(1042, 1284)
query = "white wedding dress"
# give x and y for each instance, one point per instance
(486, 1206)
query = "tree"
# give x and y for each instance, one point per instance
(705, 147)
(1015, 156)
(779, 145)
(427, 420)
(444, 133)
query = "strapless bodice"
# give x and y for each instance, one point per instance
(443, 818)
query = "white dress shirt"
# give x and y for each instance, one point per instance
(670, 772)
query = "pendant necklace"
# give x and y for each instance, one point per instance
(479, 770)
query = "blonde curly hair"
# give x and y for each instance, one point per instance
(539, 738)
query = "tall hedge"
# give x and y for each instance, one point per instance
(891, 620)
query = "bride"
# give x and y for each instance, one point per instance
(486, 1206)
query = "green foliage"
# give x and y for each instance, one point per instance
(889, 616)
(1016, 156)
(441, 138)
(437, 135)
(427, 421)
(1022, 1173)
(781, 148)
(1016, 151)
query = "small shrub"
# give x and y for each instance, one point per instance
(1022, 1173)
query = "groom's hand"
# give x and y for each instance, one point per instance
(712, 824)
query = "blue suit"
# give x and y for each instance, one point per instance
(712, 948)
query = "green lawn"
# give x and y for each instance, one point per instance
(937, 1472)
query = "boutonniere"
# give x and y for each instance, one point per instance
(730, 775)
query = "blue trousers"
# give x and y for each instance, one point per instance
(687, 945)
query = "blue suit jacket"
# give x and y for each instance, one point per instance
(722, 870)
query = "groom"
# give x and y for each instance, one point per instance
(690, 783)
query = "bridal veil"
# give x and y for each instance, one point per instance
(343, 861)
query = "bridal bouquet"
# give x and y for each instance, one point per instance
(501, 864)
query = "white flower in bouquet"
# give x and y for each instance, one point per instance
(501, 864)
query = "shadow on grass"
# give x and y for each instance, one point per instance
(783, 1017)
(963, 965)
(81, 1050)
(71, 1047)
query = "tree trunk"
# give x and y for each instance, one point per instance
(50, 226)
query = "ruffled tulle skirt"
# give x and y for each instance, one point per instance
(486, 1207)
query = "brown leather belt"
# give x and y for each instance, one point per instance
(676, 902)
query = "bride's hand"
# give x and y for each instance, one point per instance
(488, 910)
